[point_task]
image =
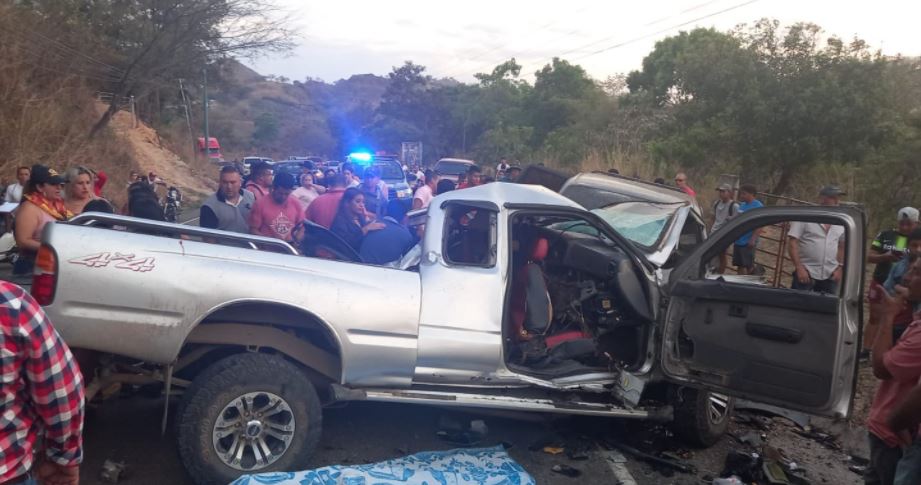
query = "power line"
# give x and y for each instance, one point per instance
(636, 39)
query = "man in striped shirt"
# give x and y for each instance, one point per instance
(41, 397)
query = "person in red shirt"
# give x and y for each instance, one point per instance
(277, 215)
(323, 209)
(260, 181)
(41, 399)
(681, 180)
(898, 366)
(474, 178)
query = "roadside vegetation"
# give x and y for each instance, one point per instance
(786, 107)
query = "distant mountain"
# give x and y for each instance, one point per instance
(254, 114)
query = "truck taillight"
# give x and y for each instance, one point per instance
(44, 279)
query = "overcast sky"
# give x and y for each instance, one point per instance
(457, 39)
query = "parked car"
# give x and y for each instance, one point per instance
(248, 162)
(450, 168)
(520, 299)
(293, 167)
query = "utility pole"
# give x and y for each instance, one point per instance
(134, 112)
(188, 119)
(205, 103)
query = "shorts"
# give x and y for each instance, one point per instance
(743, 256)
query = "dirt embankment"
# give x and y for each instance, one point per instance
(150, 154)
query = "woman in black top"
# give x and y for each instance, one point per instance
(351, 222)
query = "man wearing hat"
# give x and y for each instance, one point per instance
(724, 209)
(889, 247)
(817, 250)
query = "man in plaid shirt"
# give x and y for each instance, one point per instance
(41, 395)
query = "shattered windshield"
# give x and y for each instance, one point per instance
(640, 222)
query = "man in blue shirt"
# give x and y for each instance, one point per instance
(393, 241)
(743, 252)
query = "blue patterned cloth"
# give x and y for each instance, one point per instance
(471, 466)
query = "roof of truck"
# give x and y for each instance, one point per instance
(508, 193)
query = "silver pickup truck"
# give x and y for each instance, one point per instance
(520, 299)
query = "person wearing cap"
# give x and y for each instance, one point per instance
(278, 214)
(41, 203)
(724, 209)
(817, 250)
(888, 248)
(513, 173)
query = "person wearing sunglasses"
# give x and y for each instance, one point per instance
(41, 203)
(681, 180)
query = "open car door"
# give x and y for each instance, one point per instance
(791, 348)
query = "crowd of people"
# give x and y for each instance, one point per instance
(355, 205)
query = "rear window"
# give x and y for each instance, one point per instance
(451, 168)
(592, 198)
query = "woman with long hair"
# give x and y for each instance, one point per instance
(41, 204)
(351, 223)
(78, 189)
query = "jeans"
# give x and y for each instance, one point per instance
(26, 481)
(908, 471)
(829, 286)
(883, 461)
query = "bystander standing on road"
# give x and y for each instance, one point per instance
(743, 251)
(502, 167)
(817, 250)
(424, 194)
(14, 192)
(308, 191)
(42, 203)
(392, 241)
(228, 209)
(444, 186)
(42, 397)
(351, 180)
(260, 180)
(681, 180)
(375, 198)
(78, 189)
(897, 363)
(278, 214)
(887, 248)
(323, 209)
(724, 210)
(473, 178)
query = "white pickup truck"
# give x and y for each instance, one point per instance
(521, 299)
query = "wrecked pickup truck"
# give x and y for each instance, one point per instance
(520, 299)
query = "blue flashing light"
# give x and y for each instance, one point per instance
(364, 157)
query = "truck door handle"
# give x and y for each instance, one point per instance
(771, 332)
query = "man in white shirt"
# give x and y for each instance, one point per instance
(426, 193)
(502, 167)
(14, 192)
(817, 250)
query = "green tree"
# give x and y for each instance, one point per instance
(771, 102)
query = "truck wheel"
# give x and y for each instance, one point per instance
(247, 413)
(701, 417)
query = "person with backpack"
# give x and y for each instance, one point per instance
(725, 208)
